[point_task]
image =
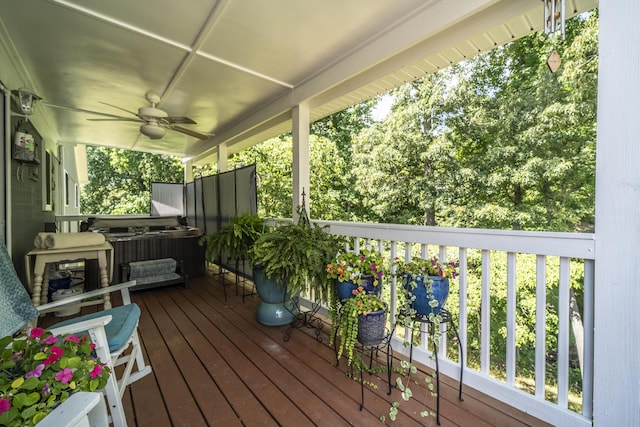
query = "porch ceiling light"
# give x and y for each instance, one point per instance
(152, 130)
(26, 100)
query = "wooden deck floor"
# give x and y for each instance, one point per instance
(214, 365)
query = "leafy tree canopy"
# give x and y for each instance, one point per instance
(120, 180)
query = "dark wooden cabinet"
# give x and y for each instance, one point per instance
(179, 245)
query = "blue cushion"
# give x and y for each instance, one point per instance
(16, 308)
(119, 330)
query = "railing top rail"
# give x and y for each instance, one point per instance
(577, 245)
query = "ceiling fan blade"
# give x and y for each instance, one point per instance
(81, 110)
(180, 120)
(189, 132)
(119, 119)
(120, 108)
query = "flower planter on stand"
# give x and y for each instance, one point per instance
(277, 307)
(345, 289)
(372, 328)
(423, 292)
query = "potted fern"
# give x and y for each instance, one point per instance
(235, 239)
(294, 257)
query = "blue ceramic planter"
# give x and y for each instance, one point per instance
(345, 289)
(424, 293)
(276, 308)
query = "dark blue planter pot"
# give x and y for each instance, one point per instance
(276, 308)
(424, 293)
(345, 289)
(372, 327)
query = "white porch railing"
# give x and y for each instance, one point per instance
(559, 249)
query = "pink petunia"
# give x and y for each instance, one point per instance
(97, 370)
(64, 376)
(56, 353)
(50, 340)
(36, 372)
(5, 405)
(73, 338)
(36, 333)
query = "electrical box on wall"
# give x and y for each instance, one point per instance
(24, 148)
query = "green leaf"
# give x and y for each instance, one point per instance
(74, 362)
(30, 383)
(31, 399)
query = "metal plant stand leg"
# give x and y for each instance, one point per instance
(306, 319)
(386, 344)
(446, 319)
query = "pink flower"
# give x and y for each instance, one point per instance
(73, 338)
(50, 340)
(36, 333)
(36, 372)
(5, 405)
(56, 353)
(97, 370)
(64, 376)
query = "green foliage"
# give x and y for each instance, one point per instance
(236, 239)
(39, 371)
(120, 180)
(297, 254)
(346, 324)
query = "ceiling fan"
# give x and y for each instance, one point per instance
(155, 121)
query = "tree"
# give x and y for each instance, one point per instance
(120, 180)
(273, 165)
(525, 137)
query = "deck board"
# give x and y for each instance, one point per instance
(214, 365)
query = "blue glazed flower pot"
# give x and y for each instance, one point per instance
(345, 289)
(276, 308)
(424, 293)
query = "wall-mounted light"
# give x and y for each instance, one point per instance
(26, 100)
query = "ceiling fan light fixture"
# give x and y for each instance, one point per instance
(152, 131)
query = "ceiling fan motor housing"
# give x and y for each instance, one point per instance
(152, 112)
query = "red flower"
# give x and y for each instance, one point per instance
(36, 333)
(97, 370)
(56, 353)
(5, 405)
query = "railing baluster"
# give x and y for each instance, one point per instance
(511, 318)
(462, 297)
(587, 358)
(563, 334)
(541, 306)
(485, 313)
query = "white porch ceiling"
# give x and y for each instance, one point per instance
(235, 66)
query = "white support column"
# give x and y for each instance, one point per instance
(188, 171)
(617, 268)
(223, 157)
(301, 156)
